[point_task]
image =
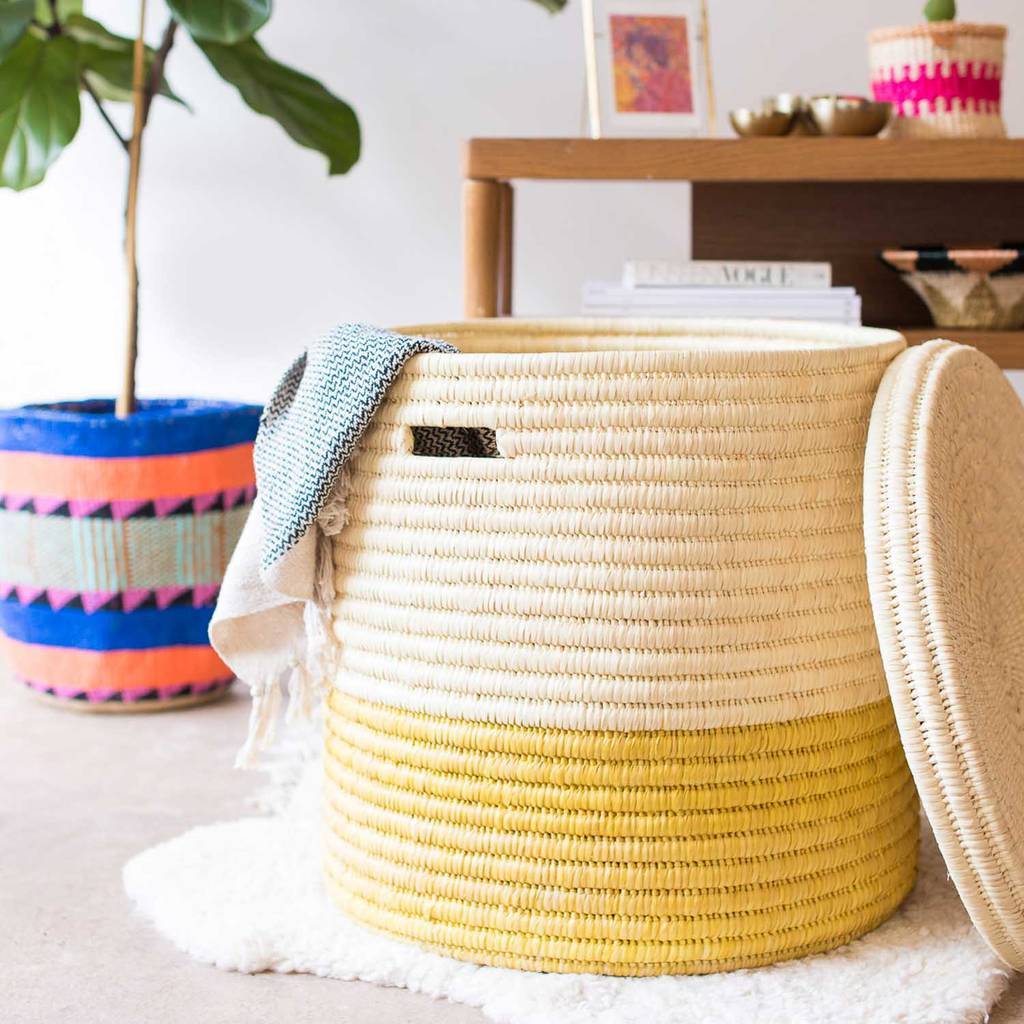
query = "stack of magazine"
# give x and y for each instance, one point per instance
(724, 288)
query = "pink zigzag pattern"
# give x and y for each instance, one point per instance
(976, 85)
(199, 596)
(83, 508)
(129, 695)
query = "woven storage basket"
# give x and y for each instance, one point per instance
(944, 79)
(612, 701)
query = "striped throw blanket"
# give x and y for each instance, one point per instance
(270, 624)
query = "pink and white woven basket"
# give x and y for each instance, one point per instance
(943, 79)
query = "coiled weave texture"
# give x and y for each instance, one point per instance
(612, 701)
(944, 79)
(945, 483)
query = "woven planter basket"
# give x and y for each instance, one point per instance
(612, 701)
(943, 79)
(114, 536)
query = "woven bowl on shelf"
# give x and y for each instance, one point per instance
(610, 697)
(961, 287)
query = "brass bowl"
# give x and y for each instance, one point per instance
(848, 115)
(785, 102)
(748, 122)
(791, 102)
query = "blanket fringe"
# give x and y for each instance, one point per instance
(310, 672)
(266, 707)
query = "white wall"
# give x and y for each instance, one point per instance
(248, 248)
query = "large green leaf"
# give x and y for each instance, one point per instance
(554, 6)
(108, 60)
(221, 21)
(15, 17)
(311, 115)
(44, 12)
(39, 108)
(110, 74)
(88, 30)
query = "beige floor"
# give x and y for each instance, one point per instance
(81, 794)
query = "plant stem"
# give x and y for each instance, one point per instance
(156, 72)
(103, 112)
(126, 400)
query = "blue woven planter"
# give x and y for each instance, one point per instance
(114, 537)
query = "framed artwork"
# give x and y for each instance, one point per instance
(647, 67)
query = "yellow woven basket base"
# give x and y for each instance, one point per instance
(637, 853)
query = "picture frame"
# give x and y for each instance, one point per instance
(648, 68)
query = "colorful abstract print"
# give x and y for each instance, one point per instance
(114, 537)
(651, 65)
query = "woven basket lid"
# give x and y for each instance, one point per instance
(943, 511)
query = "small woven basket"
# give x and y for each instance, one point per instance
(612, 701)
(944, 79)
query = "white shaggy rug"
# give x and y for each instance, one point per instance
(246, 896)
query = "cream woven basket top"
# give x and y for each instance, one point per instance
(612, 700)
(944, 490)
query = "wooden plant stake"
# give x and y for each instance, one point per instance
(126, 400)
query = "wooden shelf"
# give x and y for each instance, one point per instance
(840, 200)
(792, 159)
(1005, 347)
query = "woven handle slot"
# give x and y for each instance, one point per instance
(455, 442)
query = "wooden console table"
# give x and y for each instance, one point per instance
(835, 199)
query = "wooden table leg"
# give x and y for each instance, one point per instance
(481, 226)
(506, 242)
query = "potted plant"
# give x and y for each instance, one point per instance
(117, 517)
(943, 78)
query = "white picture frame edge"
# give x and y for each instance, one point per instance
(604, 121)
